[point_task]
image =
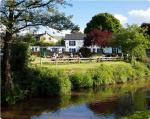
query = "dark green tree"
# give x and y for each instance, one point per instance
(17, 15)
(103, 21)
(147, 27)
(75, 29)
(133, 41)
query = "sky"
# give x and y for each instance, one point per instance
(127, 11)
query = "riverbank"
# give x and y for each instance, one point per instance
(61, 79)
(49, 80)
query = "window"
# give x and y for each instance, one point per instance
(72, 50)
(72, 43)
(114, 50)
(35, 49)
(94, 50)
(99, 50)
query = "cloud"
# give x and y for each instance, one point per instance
(122, 18)
(140, 16)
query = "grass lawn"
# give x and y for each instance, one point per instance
(75, 67)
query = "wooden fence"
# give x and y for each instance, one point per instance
(79, 60)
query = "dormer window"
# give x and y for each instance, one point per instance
(72, 43)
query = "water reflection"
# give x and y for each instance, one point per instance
(109, 102)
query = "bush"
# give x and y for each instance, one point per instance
(79, 80)
(123, 74)
(86, 52)
(139, 115)
(13, 95)
(103, 75)
(44, 82)
(20, 53)
(140, 69)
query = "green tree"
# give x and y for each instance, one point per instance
(147, 27)
(75, 29)
(17, 15)
(28, 38)
(132, 40)
(103, 21)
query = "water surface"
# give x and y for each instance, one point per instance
(109, 102)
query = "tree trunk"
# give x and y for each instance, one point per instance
(6, 69)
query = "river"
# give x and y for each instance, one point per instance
(105, 102)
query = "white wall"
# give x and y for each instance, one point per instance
(78, 45)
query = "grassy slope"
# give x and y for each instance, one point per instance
(82, 67)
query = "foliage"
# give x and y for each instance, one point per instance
(86, 52)
(79, 80)
(123, 73)
(140, 69)
(139, 115)
(17, 15)
(103, 21)
(40, 81)
(75, 29)
(20, 55)
(28, 38)
(61, 41)
(102, 75)
(98, 37)
(33, 13)
(132, 41)
(147, 27)
(43, 82)
(15, 95)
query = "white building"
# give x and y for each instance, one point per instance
(74, 41)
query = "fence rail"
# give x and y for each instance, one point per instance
(79, 60)
(75, 60)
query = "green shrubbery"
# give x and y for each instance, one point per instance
(140, 69)
(123, 73)
(139, 115)
(79, 80)
(109, 74)
(20, 54)
(86, 52)
(39, 81)
(44, 82)
(102, 75)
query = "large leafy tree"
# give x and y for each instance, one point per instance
(17, 15)
(98, 37)
(103, 21)
(147, 27)
(132, 40)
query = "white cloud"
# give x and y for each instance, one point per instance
(140, 16)
(122, 18)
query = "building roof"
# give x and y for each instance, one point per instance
(37, 36)
(75, 36)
